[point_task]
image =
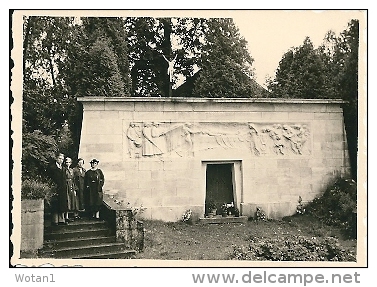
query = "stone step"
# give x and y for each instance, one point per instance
(83, 238)
(66, 233)
(75, 242)
(220, 219)
(83, 251)
(123, 254)
(77, 224)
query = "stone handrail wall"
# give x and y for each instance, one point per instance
(123, 223)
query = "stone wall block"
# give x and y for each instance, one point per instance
(274, 116)
(119, 106)
(94, 106)
(321, 116)
(301, 116)
(148, 107)
(115, 175)
(150, 165)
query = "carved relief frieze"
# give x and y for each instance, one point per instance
(151, 139)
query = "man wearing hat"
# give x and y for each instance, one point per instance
(94, 181)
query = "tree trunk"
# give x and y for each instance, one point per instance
(167, 50)
(29, 25)
(51, 67)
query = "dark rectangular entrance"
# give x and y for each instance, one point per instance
(219, 183)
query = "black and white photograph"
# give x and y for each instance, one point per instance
(178, 138)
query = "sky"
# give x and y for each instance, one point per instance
(272, 33)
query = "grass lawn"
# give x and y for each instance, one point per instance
(182, 241)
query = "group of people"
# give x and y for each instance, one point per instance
(79, 191)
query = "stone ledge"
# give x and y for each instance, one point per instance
(112, 203)
(209, 100)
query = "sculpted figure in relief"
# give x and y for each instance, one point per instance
(258, 146)
(134, 139)
(276, 135)
(148, 144)
(182, 139)
(297, 136)
(158, 137)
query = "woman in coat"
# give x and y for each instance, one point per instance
(94, 181)
(79, 176)
(70, 190)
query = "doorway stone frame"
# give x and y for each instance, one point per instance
(237, 179)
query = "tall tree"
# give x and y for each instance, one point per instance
(340, 55)
(213, 46)
(149, 39)
(348, 55)
(45, 45)
(226, 65)
(99, 58)
(300, 74)
(46, 103)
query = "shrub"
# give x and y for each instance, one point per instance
(337, 205)
(37, 150)
(293, 248)
(36, 189)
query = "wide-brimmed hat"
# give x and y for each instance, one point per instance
(94, 160)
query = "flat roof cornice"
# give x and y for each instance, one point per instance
(210, 100)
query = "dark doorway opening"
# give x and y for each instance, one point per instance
(219, 184)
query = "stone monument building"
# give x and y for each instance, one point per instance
(173, 154)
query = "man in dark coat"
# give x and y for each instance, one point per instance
(56, 174)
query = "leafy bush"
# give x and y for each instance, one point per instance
(337, 205)
(36, 189)
(293, 248)
(37, 151)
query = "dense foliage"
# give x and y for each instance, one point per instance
(37, 189)
(337, 205)
(37, 151)
(97, 60)
(226, 65)
(300, 74)
(293, 248)
(329, 71)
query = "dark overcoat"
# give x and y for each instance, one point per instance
(79, 176)
(94, 181)
(56, 175)
(68, 197)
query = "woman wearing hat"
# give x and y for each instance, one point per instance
(93, 182)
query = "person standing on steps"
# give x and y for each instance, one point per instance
(56, 175)
(79, 175)
(70, 202)
(94, 181)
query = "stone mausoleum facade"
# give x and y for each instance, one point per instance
(173, 154)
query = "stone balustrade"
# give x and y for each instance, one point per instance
(123, 223)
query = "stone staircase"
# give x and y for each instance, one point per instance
(83, 239)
